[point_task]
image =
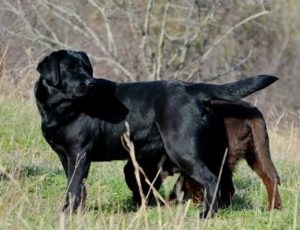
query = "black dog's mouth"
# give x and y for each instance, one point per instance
(81, 96)
(82, 91)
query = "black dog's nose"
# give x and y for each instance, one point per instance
(90, 83)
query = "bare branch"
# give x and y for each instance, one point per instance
(79, 20)
(161, 42)
(110, 38)
(221, 38)
(230, 69)
(128, 74)
(129, 146)
(145, 40)
(133, 20)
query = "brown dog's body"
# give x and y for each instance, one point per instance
(247, 138)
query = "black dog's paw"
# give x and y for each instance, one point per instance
(136, 199)
(66, 208)
(203, 215)
(206, 214)
(73, 207)
(225, 202)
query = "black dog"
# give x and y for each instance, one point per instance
(83, 119)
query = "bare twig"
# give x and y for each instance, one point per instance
(151, 185)
(6, 174)
(230, 69)
(79, 158)
(128, 74)
(128, 145)
(134, 23)
(110, 38)
(74, 15)
(218, 182)
(161, 42)
(221, 38)
(145, 46)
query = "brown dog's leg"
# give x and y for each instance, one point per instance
(271, 186)
(184, 189)
(195, 189)
(261, 162)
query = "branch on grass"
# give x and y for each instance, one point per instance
(129, 146)
(5, 174)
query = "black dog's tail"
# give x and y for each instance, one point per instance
(232, 91)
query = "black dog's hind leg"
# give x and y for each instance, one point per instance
(185, 148)
(226, 187)
(151, 170)
(78, 168)
(202, 175)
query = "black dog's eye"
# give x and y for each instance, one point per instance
(87, 68)
(73, 66)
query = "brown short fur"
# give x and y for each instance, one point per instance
(247, 138)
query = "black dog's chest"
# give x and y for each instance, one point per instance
(73, 136)
(102, 140)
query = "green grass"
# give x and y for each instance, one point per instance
(33, 197)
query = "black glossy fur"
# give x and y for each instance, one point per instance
(83, 119)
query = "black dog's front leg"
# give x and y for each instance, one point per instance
(64, 162)
(78, 168)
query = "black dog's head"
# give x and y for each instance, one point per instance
(68, 71)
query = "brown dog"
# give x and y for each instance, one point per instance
(247, 138)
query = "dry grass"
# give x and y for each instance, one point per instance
(32, 185)
(285, 145)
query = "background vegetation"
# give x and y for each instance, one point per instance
(201, 41)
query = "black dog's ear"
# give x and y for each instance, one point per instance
(49, 68)
(86, 61)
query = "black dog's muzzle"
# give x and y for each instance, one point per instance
(91, 83)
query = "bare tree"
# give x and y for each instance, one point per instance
(135, 40)
(201, 40)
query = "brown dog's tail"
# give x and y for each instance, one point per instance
(262, 148)
(231, 91)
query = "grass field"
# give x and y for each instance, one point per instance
(32, 186)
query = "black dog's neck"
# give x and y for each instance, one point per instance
(104, 103)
